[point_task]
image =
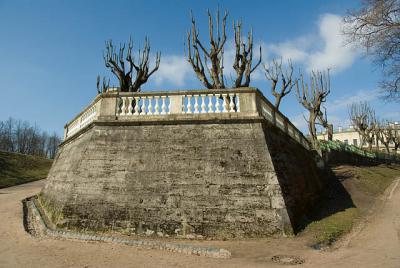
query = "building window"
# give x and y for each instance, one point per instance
(355, 142)
(346, 141)
(373, 142)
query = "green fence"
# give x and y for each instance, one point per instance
(340, 146)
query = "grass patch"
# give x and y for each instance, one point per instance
(372, 180)
(333, 219)
(19, 168)
(329, 229)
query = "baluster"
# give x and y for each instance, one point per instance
(156, 108)
(123, 108)
(80, 122)
(150, 107)
(189, 105)
(130, 107)
(143, 108)
(196, 104)
(237, 103)
(224, 103)
(203, 104)
(217, 105)
(136, 109)
(210, 104)
(172, 103)
(163, 106)
(231, 102)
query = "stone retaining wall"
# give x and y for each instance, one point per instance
(212, 179)
(38, 221)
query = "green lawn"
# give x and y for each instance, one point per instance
(370, 181)
(19, 168)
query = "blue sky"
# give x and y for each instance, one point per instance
(51, 51)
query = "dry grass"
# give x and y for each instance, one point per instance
(18, 168)
(369, 182)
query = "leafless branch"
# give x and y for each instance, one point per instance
(116, 62)
(276, 74)
(311, 97)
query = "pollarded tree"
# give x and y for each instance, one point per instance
(104, 86)
(396, 137)
(323, 121)
(312, 97)
(376, 28)
(196, 52)
(362, 117)
(208, 64)
(282, 76)
(243, 57)
(131, 74)
(385, 133)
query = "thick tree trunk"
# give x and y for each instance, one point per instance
(387, 148)
(330, 132)
(312, 130)
(278, 101)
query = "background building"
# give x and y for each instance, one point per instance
(351, 136)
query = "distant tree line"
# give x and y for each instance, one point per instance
(21, 137)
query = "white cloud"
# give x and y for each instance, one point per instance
(342, 103)
(300, 122)
(319, 52)
(294, 49)
(335, 54)
(174, 70)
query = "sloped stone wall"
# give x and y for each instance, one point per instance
(297, 172)
(187, 179)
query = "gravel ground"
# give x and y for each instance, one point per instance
(375, 245)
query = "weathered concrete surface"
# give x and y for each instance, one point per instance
(229, 179)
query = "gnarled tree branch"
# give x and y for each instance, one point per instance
(116, 61)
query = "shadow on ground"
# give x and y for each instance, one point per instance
(334, 198)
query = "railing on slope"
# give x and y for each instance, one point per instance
(279, 120)
(341, 146)
(242, 102)
(85, 118)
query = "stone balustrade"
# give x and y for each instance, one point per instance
(182, 105)
(188, 103)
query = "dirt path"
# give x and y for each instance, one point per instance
(376, 245)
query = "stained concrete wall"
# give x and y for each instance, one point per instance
(224, 179)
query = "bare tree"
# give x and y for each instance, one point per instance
(384, 133)
(7, 139)
(196, 52)
(21, 137)
(243, 57)
(116, 62)
(323, 121)
(311, 97)
(208, 64)
(283, 76)
(102, 87)
(363, 118)
(376, 28)
(396, 137)
(52, 145)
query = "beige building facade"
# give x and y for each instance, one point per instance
(352, 137)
